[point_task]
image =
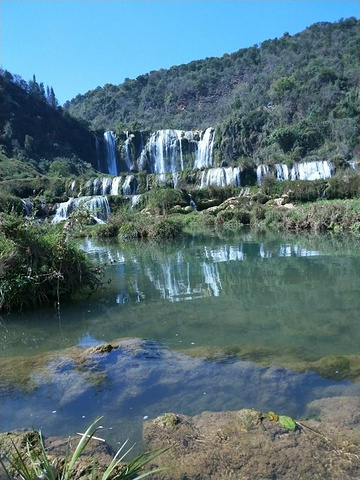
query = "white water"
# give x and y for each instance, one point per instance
(130, 185)
(261, 171)
(28, 206)
(110, 152)
(115, 186)
(300, 171)
(98, 206)
(282, 172)
(220, 177)
(165, 152)
(312, 170)
(204, 157)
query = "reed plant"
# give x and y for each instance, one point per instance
(35, 464)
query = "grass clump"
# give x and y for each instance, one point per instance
(39, 263)
(33, 462)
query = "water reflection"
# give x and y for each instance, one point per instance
(269, 323)
(181, 276)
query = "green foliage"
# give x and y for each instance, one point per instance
(160, 200)
(327, 215)
(12, 168)
(237, 216)
(287, 422)
(38, 263)
(284, 421)
(298, 93)
(166, 228)
(343, 186)
(35, 463)
(33, 127)
(60, 168)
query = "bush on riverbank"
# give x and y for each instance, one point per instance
(38, 264)
(127, 226)
(326, 215)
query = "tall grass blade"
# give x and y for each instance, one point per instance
(85, 439)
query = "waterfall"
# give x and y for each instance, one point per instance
(205, 149)
(98, 206)
(220, 177)
(312, 170)
(282, 172)
(192, 202)
(178, 132)
(72, 186)
(135, 200)
(261, 171)
(164, 148)
(115, 185)
(299, 171)
(130, 185)
(106, 184)
(89, 188)
(128, 161)
(28, 206)
(110, 152)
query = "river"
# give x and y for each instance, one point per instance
(246, 321)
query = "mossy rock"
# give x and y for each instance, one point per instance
(168, 420)
(337, 367)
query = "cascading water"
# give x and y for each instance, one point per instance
(28, 206)
(312, 170)
(110, 153)
(262, 171)
(98, 206)
(165, 152)
(169, 152)
(205, 149)
(115, 186)
(300, 171)
(220, 177)
(130, 185)
(282, 172)
(128, 161)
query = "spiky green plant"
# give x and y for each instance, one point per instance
(35, 464)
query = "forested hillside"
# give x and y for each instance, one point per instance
(285, 100)
(39, 134)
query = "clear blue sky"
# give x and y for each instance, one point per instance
(76, 45)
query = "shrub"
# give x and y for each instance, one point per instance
(237, 215)
(38, 263)
(346, 186)
(160, 200)
(165, 229)
(9, 203)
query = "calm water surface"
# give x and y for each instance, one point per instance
(216, 324)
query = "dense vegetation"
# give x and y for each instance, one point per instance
(39, 263)
(39, 134)
(280, 101)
